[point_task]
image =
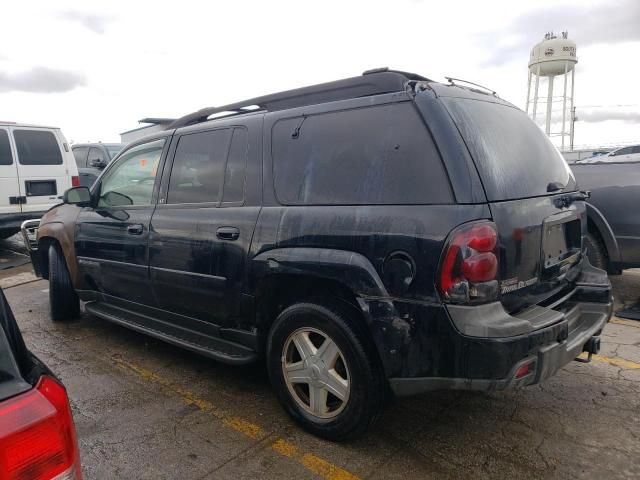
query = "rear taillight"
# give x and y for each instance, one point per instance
(469, 267)
(75, 181)
(37, 435)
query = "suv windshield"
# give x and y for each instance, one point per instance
(513, 156)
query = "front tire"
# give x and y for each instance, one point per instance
(63, 300)
(322, 371)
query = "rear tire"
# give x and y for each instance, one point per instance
(596, 252)
(350, 370)
(63, 300)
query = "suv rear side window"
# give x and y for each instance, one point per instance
(5, 149)
(36, 147)
(202, 160)
(514, 157)
(373, 155)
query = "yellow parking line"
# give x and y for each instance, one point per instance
(617, 362)
(622, 321)
(322, 468)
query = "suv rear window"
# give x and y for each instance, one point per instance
(37, 147)
(514, 157)
(373, 155)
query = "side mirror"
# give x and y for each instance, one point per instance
(80, 196)
(97, 163)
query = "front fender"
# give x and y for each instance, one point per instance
(348, 268)
(59, 224)
(606, 232)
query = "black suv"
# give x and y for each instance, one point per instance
(374, 234)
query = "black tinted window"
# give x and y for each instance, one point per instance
(624, 151)
(374, 155)
(196, 175)
(514, 157)
(80, 154)
(37, 147)
(236, 167)
(5, 149)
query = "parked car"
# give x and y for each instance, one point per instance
(37, 434)
(36, 167)
(619, 155)
(613, 233)
(92, 158)
(373, 233)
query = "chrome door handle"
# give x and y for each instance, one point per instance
(228, 233)
(135, 229)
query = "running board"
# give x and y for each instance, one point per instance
(206, 345)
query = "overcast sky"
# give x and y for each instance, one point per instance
(96, 68)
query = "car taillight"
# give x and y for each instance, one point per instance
(75, 181)
(37, 435)
(469, 267)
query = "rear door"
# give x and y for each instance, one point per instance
(528, 186)
(9, 184)
(202, 227)
(42, 170)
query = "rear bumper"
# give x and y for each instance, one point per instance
(436, 357)
(546, 360)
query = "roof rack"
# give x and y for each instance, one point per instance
(371, 82)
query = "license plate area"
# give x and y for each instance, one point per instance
(561, 240)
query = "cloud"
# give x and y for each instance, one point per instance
(611, 22)
(602, 115)
(94, 22)
(41, 80)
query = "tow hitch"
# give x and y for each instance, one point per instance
(591, 347)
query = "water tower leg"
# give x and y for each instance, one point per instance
(549, 105)
(564, 104)
(535, 94)
(573, 110)
(528, 92)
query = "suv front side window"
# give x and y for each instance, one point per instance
(131, 180)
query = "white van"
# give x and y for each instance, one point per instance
(36, 167)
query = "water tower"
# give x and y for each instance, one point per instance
(551, 58)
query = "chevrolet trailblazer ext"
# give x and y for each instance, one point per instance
(383, 233)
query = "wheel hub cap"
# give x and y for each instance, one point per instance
(316, 372)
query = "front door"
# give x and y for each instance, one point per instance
(111, 238)
(202, 229)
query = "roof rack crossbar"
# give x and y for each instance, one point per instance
(374, 83)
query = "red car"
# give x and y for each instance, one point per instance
(37, 434)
